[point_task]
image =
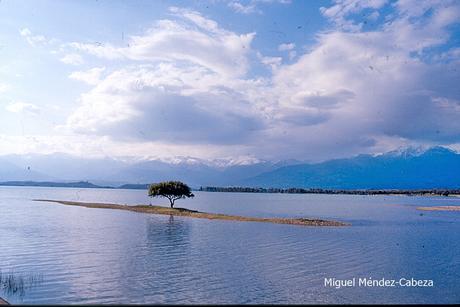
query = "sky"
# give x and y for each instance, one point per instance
(237, 80)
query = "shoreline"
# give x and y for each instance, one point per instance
(197, 214)
(392, 192)
(427, 192)
(440, 208)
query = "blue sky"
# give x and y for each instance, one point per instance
(236, 80)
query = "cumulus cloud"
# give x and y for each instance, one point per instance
(290, 48)
(168, 103)
(243, 9)
(92, 76)
(23, 107)
(193, 39)
(353, 91)
(72, 59)
(342, 9)
(252, 6)
(4, 87)
(191, 91)
(286, 46)
(33, 40)
(358, 89)
(272, 62)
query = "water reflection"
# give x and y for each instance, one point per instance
(173, 231)
(167, 259)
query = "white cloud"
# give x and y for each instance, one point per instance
(356, 91)
(4, 87)
(99, 50)
(102, 146)
(286, 46)
(33, 40)
(193, 39)
(290, 48)
(92, 76)
(414, 29)
(243, 9)
(272, 62)
(342, 9)
(23, 107)
(72, 59)
(25, 32)
(373, 16)
(452, 54)
(168, 103)
(252, 6)
(191, 91)
(352, 92)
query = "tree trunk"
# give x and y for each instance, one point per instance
(172, 202)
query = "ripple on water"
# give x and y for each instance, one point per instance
(96, 256)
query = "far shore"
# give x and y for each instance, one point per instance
(440, 208)
(395, 192)
(429, 192)
(198, 214)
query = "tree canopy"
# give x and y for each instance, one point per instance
(172, 190)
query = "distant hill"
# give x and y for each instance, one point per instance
(132, 186)
(13, 171)
(437, 167)
(57, 167)
(80, 184)
(60, 167)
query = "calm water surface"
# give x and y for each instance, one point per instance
(89, 256)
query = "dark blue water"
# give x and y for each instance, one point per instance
(86, 256)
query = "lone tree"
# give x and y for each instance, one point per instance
(172, 190)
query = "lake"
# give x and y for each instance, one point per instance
(97, 256)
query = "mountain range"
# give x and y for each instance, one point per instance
(437, 167)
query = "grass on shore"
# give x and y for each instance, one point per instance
(198, 214)
(17, 284)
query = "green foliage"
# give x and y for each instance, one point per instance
(172, 190)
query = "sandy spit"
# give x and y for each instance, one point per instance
(198, 214)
